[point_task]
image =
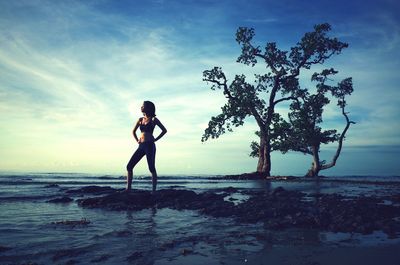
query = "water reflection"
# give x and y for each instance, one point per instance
(261, 184)
(144, 236)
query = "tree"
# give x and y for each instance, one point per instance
(303, 132)
(280, 83)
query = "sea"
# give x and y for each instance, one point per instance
(34, 231)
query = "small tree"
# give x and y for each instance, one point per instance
(303, 133)
(280, 83)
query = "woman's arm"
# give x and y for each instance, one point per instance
(162, 127)
(135, 129)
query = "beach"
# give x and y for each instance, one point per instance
(58, 218)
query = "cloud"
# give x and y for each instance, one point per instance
(88, 91)
(74, 77)
(261, 20)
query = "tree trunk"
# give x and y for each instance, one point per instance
(264, 156)
(341, 139)
(316, 165)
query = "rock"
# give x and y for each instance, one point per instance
(123, 233)
(395, 198)
(92, 189)
(278, 190)
(100, 259)
(278, 209)
(138, 200)
(230, 189)
(134, 256)
(4, 248)
(72, 223)
(68, 253)
(167, 245)
(186, 251)
(120, 201)
(61, 200)
(52, 186)
(252, 175)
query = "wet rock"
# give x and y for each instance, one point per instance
(278, 191)
(278, 209)
(230, 189)
(72, 223)
(260, 176)
(4, 248)
(123, 233)
(166, 246)
(252, 175)
(395, 198)
(68, 253)
(220, 209)
(176, 199)
(120, 201)
(100, 259)
(134, 256)
(186, 251)
(92, 190)
(52, 186)
(61, 200)
(138, 200)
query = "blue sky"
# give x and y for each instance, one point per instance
(74, 75)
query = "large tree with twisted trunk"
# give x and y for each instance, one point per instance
(280, 83)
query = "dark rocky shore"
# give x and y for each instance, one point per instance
(277, 209)
(259, 176)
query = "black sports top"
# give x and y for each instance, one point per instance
(148, 127)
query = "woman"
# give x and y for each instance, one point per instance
(146, 142)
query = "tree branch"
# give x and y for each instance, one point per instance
(258, 118)
(223, 85)
(284, 99)
(341, 138)
(296, 72)
(271, 107)
(215, 127)
(269, 63)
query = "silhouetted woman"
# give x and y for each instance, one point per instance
(147, 123)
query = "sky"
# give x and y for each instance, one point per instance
(73, 75)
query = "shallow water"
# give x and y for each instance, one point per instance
(151, 236)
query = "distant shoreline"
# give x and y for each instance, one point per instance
(200, 175)
(257, 176)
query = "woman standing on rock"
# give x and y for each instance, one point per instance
(146, 142)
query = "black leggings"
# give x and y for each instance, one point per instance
(148, 149)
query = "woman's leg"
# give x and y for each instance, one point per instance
(151, 161)
(139, 153)
(154, 180)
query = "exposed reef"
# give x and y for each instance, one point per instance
(277, 209)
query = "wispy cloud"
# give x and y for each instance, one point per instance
(261, 20)
(74, 75)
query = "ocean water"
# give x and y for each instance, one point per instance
(29, 233)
